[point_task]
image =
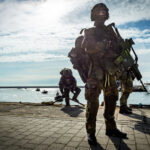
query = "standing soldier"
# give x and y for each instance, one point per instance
(67, 83)
(126, 83)
(101, 45)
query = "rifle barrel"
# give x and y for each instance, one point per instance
(136, 57)
(143, 86)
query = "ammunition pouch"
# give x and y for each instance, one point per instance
(111, 68)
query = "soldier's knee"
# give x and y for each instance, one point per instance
(91, 90)
(111, 95)
(108, 117)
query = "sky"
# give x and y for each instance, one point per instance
(36, 36)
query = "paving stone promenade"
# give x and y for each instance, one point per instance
(36, 127)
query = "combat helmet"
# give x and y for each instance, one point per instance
(95, 10)
(66, 72)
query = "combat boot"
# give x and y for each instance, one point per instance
(130, 109)
(92, 139)
(124, 110)
(116, 133)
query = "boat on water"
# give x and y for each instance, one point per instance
(38, 89)
(44, 92)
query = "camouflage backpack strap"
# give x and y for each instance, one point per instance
(82, 30)
(110, 29)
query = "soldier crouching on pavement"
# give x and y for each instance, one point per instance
(68, 83)
(101, 46)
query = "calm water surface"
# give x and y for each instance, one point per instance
(30, 95)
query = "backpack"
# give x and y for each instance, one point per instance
(80, 59)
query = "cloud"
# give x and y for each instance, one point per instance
(43, 26)
(143, 51)
(39, 57)
(143, 41)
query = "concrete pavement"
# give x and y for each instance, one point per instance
(30, 127)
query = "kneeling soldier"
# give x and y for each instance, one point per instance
(68, 83)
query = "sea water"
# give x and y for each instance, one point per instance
(33, 96)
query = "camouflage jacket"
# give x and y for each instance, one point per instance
(101, 44)
(67, 82)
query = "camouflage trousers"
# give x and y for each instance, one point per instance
(76, 91)
(92, 92)
(126, 89)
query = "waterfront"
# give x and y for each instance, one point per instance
(33, 96)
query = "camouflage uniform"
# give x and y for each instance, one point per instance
(126, 84)
(67, 83)
(100, 77)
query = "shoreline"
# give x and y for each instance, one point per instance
(62, 105)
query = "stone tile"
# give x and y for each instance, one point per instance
(41, 147)
(141, 135)
(30, 137)
(81, 135)
(73, 144)
(12, 147)
(49, 140)
(2, 147)
(102, 141)
(56, 146)
(56, 135)
(63, 140)
(84, 144)
(68, 134)
(78, 127)
(21, 142)
(72, 131)
(69, 148)
(143, 147)
(37, 140)
(61, 131)
(130, 137)
(46, 134)
(141, 141)
(83, 148)
(76, 139)
(3, 139)
(128, 141)
(148, 138)
(19, 137)
(28, 146)
(10, 142)
(54, 129)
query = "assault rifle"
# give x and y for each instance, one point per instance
(125, 59)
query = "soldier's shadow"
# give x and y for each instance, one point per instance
(142, 120)
(119, 143)
(98, 147)
(72, 111)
